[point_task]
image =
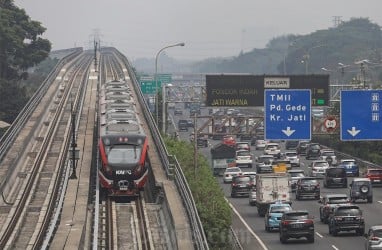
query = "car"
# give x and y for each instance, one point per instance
(292, 156)
(202, 142)
(190, 123)
(329, 156)
(240, 185)
(254, 138)
(252, 176)
(373, 238)
(264, 164)
(260, 143)
(301, 147)
(335, 176)
(182, 125)
(229, 140)
(246, 138)
(243, 146)
(361, 188)
(273, 215)
(295, 175)
(375, 175)
(296, 224)
(272, 148)
(350, 166)
(328, 202)
(178, 112)
(244, 157)
(308, 187)
(291, 145)
(281, 166)
(252, 196)
(318, 168)
(313, 150)
(230, 172)
(346, 218)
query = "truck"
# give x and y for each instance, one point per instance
(271, 188)
(222, 156)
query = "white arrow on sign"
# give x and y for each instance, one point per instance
(288, 131)
(353, 131)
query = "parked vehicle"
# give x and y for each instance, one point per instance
(273, 215)
(329, 202)
(361, 188)
(231, 172)
(335, 176)
(223, 157)
(313, 150)
(350, 166)
(308, 187)
(346, 218)
(375, 175)
(296, 224)
(240, 185)
(271, 188)
(373, 238)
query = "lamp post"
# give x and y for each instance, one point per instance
(306, 57)
(156, 78)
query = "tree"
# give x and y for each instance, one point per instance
(21, 46)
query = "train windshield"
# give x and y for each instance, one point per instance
(124, 154)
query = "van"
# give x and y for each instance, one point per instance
(335, 176)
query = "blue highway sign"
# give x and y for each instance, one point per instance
(361, 117)
(287, 115)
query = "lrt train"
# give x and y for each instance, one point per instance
(123, 146)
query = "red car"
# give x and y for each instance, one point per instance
(229, 140)
(375, 175)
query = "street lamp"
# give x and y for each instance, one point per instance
(306, 56)
(156, 78)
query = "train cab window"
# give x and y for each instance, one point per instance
(124, 154)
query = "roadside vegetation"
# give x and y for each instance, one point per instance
(214, 211)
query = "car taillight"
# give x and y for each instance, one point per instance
(233, 184)
(374, 238)
(308, 221)
(285, 223)
(227, 175)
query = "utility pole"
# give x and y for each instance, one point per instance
(195, 145)
(74, 144)
(95, 55)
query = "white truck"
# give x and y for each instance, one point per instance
(271, 188)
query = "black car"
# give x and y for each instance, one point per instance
(241, 185)
(335, 176)
(308, 187)
(329, 202)
(202, 142)
(182, 125)
(296, 224)
(301, 147)
(190, 123)
(313, 150)
(291, 145)
(346, 218)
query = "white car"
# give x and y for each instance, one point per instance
(260, 144)
(272, 148)
(292, 156)
(318, 168)
(329, 156)
(231, 172)
(295, 175)
(244, 157)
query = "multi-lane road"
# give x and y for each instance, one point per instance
(323, 240)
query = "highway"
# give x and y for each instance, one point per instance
(345, 240)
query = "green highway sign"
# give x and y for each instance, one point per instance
(148, 86)
(165, 78)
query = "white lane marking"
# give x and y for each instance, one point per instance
(247, 226)
(319, 235)
(379, 202)
(335, 247)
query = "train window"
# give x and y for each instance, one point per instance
(124, 154)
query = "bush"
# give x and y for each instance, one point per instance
(213, 209)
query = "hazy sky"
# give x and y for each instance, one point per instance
(209, 28)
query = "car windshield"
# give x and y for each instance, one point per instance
(272, 147)
(290, 154)
(348, 211)
(233, 170)
(297, 174)
(280, 209)
(242, 179)
(266, 159)
(328, 153)
(315, 146)
(375, 171)
(337, 200)
(378, 233)
(336, 172)
(243, 153)
(309, 181)
(321, 164)
(360, 183)
(297, 216)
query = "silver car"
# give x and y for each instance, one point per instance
(231, 172)
(373, 239)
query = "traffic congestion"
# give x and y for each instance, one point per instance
(293, 193)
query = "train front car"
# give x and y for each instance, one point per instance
(125, 164)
